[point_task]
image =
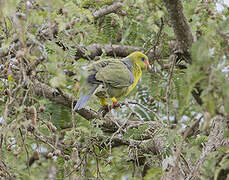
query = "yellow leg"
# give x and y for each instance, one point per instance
(103, 101)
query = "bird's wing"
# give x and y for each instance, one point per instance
(116, 74)
(86, 92)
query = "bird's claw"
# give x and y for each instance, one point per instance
(115, 105)
(107, 108)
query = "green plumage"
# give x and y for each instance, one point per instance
(111, 78)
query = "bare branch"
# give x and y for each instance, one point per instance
(107, 10)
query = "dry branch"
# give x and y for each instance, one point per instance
(107, 10)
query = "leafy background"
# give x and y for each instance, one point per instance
(56, 29)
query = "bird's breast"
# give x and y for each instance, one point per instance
(137, 72)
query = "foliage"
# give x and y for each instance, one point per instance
(70, 146)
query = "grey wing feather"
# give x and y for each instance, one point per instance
(84, 99)
(131, 77)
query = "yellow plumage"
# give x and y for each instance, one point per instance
(117, 78)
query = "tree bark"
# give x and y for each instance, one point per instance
(180, 24)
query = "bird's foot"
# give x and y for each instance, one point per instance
(115, 105)
(107, 108)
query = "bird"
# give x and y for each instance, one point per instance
(112, 78)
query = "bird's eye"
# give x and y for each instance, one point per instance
(143, 59)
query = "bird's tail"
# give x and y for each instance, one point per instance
(84, 99)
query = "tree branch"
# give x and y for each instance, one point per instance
(93, 50)
(183, 35)
(180, 24)
(53, 94)
(107, 10)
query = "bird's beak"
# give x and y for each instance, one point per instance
(148, 65)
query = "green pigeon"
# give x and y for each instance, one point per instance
(112, 78)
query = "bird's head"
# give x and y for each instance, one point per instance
(140, 59)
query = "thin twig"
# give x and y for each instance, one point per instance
(144, 107)
(44, 141)
(119, 129)
(97, 165)
(168, 86)
(157, 39)
(186, 134)
(77, 167)
(5, 167)
(27, 153)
